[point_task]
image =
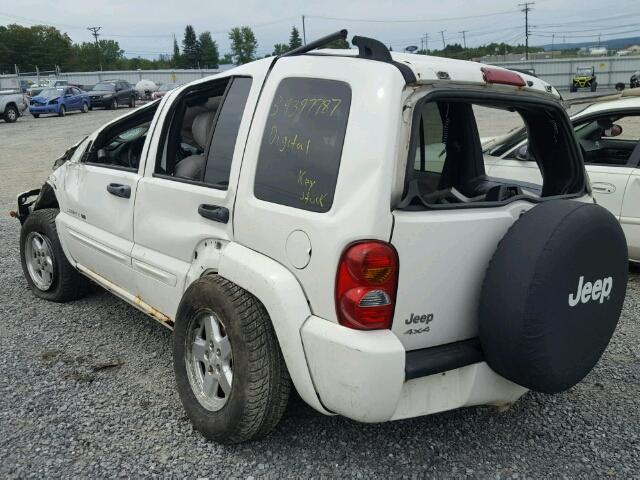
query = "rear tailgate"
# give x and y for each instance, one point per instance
(443, 258)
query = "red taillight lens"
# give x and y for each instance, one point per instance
(504, 77)
(366, 285)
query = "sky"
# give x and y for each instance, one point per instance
(146, 27)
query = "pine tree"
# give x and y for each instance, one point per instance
(209, 56)
(190, 48)
(175, 59)
(280, 49)
(294, 39)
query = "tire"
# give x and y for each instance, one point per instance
(620, 86)
(64, 283)
(36, 115)
(90, 107)
(11, 114)
(132, 102)
(593, 86)
(85, 107)
(114, 104)
(544, 319)
(62, 111)
(260, 384)
(573, 88)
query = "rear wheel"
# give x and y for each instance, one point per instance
(11, 114)
(230, 374)
(114, 104)
(85, 107)
(45, 266)
(62, 111)
(36, 115)
(132, 102)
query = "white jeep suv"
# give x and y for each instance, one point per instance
(323, 219)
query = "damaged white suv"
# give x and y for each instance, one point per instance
(323, 219)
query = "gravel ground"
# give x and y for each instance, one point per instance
(87, 390)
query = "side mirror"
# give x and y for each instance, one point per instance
(614, 131)
(102, 155)
(523, 152)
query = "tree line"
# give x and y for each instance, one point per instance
(46, 47)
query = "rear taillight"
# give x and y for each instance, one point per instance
(503, 77)
(366, 285)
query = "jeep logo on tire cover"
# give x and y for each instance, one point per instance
(596, 291)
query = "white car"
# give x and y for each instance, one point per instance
(608, 132)
(323, 220)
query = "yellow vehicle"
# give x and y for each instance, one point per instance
(585, 77)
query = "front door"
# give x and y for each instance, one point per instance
(184, 207)
(97, 217)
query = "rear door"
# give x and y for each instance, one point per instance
(185, 201)
(453, 218)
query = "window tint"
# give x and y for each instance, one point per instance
(226, 132)
(431, 152)
(302, 143)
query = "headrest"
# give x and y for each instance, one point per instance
(201, 127)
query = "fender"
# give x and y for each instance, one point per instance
(282, 296)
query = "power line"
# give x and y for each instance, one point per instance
(410, 20)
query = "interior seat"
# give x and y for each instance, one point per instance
(192, 167)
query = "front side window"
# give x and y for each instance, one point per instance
(302, 143)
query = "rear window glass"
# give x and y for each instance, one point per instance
(302, 143)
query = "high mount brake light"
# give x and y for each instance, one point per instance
(366, 285)
(502, 77)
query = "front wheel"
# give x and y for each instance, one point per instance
(132, 102)
(11, 114)
(85, 108)
(230, 374)
(62, 112)
(114, 104)
(45, 266)
(36, 115)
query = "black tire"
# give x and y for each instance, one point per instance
(544, 319)
(36, 115)
(620, 86)
(114, 104)
(132, 102)
(594, 86)
(573, 88)
(62, 112)
(90, 107)
(68, 284)
(11, 114)
(261, 384)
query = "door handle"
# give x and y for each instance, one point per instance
(603, 187)
(119, 190)
(214, 212)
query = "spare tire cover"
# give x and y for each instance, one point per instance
(552, 294)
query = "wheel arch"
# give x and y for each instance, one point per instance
(283, 298)
(46, 198)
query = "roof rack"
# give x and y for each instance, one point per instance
(368, 48)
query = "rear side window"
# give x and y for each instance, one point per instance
(302, 143)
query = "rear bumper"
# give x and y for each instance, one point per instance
(369, 377)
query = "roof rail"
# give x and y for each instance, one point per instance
(321, 42)
(373, 49)
(368, 48)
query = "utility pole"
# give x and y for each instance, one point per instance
(442, 34)
(304, 32)
(426, 42)
(464, 38)
(94, 31)
(526, 9)
(599, 36)
(553, 43)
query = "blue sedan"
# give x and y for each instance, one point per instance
(59, 100)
